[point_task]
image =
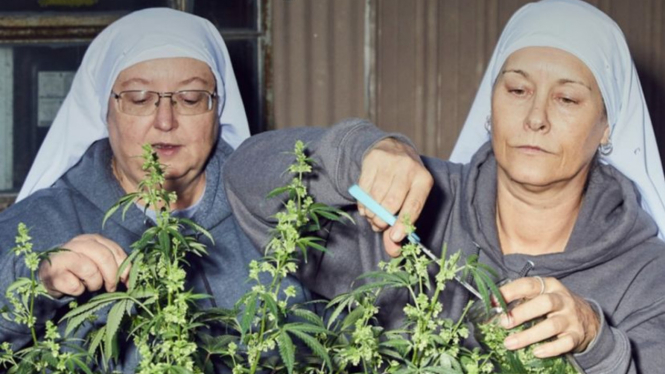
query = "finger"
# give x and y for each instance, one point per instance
(119, 255)
(367, 175)
(378, 192)
(84, 269)
(412, 207)
(564, 344)
(95, 249)
(393, 249)
(67, 283)
(524, 288)
(545, 329)
(529, 310)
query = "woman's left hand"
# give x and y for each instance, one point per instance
(569, 320)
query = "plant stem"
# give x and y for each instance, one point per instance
(33, 285)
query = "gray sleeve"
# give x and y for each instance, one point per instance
(636, 345)
(258, 166)
(46, 229)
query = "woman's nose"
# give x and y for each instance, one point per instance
(536, 119)
(164, 117)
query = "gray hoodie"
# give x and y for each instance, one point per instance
(613, 257)
(76, 205)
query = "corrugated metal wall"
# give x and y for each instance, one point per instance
(318, 49)
(424, 63)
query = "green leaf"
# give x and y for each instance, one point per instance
(306, 328)
(249, 313)
(342, 301)
(278, 191)
(125, 199)
(96, 340)
(80, 364)
(352, 317)
(92, 303)
(126, 262)
(125, 209)
(165, 243)
(74, 322)
(314, 345)
(112, 324)
(286, 350)
(309, 316)
(271, 304)
(20, 282)
(198, 228)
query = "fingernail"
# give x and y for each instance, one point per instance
(506, 321)
(396, 234)
(510, 342)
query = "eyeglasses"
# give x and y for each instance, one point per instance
(145, 103)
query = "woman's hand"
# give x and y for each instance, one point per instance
(568, 319)
(393, 174)
(92, 261)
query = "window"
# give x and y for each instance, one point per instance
(42, 42)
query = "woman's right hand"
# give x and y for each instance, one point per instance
(90, 262)
(393, 174)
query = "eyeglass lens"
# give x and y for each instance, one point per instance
(145, 103)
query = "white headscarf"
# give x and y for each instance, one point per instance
(140, 36)
(586, 32)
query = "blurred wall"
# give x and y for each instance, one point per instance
(414, 66)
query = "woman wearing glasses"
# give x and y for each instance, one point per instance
(156, 76)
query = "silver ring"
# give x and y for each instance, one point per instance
(542, 284)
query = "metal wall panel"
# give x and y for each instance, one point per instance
(426, 59)
(318, 49)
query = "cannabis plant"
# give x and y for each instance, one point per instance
(266, 331)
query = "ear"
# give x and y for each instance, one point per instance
(606, 134)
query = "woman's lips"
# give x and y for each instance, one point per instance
(166, 150)
(531, 149)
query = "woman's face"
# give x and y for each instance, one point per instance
(548, 117)
(182, 142)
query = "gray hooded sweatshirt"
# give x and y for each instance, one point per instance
(613, 257)
(76, 205)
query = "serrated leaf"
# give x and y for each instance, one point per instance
(80, 364)
(286, 350)
(96, 340)
(352, 317)
(164, 243)
(278, 191)
(249, 313)
(74, 322)
(309, 316)
(20, 282)
(112, 324)
(271, 304)
(314, 345)
(126, 262)
(306, 327)
(197, 228)
(342, 302)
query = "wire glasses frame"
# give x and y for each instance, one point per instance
(145, 103)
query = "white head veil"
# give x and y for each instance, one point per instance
(590, 35)
(140, 36)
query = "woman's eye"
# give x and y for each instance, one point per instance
(191, 98)
(517, 91)
(567, 100)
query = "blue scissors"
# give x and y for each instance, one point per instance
(390, 219)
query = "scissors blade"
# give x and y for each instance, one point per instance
(390, 219)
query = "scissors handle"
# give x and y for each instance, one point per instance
(377, 209)
(390, 219)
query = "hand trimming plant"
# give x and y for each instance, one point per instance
(265, 332)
